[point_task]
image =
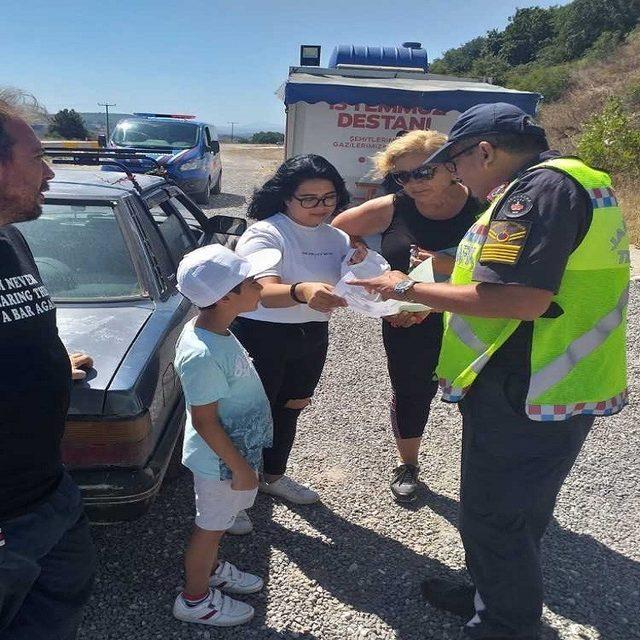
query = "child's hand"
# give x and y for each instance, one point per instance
(244, 478)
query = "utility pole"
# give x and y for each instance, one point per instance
(106, 106)
(232, 123)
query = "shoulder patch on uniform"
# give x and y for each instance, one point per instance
(517, 206)
(504, 242)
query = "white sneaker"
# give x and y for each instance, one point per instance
(242, 525)
(290, 490)
(227, 577)
(217, 610)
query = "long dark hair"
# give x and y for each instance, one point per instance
(270, 198)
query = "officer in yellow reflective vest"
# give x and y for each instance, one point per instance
(533, 350)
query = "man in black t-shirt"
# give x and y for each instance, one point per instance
(47, 558)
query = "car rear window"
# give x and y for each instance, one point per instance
(81, 253)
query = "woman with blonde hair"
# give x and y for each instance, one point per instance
(427, 217)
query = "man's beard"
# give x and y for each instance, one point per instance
(14, 210)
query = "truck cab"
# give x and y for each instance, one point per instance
(187, 149)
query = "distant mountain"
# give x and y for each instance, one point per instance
(249, 128)
(95, 121)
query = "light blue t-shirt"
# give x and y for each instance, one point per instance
(216, 368)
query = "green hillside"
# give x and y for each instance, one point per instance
(584, 58)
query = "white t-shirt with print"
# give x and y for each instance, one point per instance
(309, 254)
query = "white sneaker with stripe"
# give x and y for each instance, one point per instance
(218, 610)
(227, 577)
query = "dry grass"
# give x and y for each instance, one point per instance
(592, 84)
(628, 192)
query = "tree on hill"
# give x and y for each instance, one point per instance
(267, 137)
(543, 37)
(528, 31)
(582, 22)
(458, 61)
(68, 124)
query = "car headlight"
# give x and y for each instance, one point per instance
(189, 166)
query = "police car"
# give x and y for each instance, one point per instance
(188, 150)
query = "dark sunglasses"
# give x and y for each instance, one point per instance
(425, 172)
(310, 202)
(450, 165)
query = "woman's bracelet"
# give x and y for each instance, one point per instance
(292, 293)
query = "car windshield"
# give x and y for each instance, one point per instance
(154, 133)
(81, 254)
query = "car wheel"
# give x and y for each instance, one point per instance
(202, 197)
(218, 188)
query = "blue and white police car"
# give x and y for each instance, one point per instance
(188, 150)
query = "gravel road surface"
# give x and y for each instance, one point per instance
(349, 568)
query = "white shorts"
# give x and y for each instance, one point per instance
(217, 504)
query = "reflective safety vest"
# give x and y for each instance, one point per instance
(578, 359)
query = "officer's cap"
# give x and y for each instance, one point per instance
(486, 119)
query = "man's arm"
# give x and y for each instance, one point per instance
(485, 300)
(547, 217)
(478, 299)
(207, 423)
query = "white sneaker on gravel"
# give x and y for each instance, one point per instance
(227, 577)
(242, 525)
(217, 610)
(290, 490)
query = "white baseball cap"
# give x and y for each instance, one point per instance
(207, 274)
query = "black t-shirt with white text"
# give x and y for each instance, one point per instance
(35, 381)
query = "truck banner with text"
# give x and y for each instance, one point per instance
(348, 135)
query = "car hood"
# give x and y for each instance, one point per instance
(106, 334)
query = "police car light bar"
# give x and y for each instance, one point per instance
(165, 115)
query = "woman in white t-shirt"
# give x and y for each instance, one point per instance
(287, 336)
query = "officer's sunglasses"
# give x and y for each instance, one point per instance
(425, 172)
(450, 165)
(311, 202)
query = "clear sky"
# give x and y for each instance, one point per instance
(218, 59)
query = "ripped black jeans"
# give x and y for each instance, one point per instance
(289, 359)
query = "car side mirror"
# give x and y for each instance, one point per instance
(227, 225)
(102, 140)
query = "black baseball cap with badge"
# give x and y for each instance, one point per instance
(487, 119)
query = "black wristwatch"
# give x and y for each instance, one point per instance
(292, 293)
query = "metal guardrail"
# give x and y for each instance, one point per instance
(70, 144)
(96, 156)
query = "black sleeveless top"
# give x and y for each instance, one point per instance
(408, 226)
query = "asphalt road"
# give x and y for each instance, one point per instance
(349, 568)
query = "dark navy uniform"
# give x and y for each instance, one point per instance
(505, 454)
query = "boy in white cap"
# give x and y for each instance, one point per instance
(228, 424)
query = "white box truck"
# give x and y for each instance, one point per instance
(355, 107)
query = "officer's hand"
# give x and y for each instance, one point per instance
(382, 284)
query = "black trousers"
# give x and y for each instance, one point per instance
(512, 471)
(289, 359)
(412, 356)
(47, 563)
